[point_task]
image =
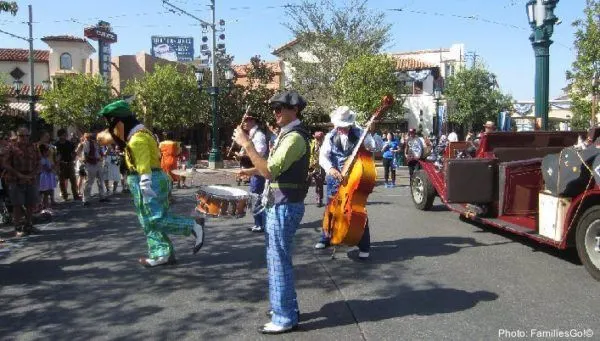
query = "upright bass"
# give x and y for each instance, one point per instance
(346, 215)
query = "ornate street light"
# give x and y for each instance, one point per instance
(18, 85)
(199, 78)
(46, 84)
(540, 14)
(437, 95)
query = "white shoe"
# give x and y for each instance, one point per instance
(320, 245)
(363, 255)
(198, 232)
(152, 262)
(271, 328)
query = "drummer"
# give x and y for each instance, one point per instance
(257, 181)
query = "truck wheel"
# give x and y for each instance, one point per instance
(422, 191)
(587, 240)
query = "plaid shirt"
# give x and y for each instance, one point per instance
(25, 159)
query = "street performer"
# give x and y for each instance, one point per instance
(286, 172)
(315, 171)
(337, 147)
(257, 181)
(149, 185)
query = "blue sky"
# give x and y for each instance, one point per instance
(255, 27)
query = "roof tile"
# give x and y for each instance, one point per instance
(22, 55)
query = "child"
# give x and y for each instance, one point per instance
(47, 178)
(112, 169)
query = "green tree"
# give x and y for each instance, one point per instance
(328, 36)
(474, 98)
(75, 101)
(168, 98)
(364, 81)
(587, 61)
(9, 6)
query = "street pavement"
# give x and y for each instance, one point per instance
(430, 277)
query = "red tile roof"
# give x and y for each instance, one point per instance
(409, 64)
(22, 55)
(64, 38)
(39, 90)
(240, 70)
(287, 45)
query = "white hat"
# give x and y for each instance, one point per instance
(343, 117)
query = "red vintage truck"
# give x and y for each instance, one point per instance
(500, 184)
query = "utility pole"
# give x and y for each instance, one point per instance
(595, 82)
(214, 157)
(474, 55)
(31, 76)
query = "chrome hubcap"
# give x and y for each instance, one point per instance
(592, 242)
(417, 190)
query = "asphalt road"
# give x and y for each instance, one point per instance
(430, 277)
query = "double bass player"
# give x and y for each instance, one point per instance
(337, 147)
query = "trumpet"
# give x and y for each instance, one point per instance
(233, 142)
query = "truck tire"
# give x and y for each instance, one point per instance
(587, 240)
(422, 191)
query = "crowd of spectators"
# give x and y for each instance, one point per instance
(30, 171)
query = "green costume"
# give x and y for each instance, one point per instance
(150, 188)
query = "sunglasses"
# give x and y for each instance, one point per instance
(22, 135)
(279, 107)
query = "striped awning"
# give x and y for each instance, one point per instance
(19, 109)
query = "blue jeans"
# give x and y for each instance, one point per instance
(332, 187)
(257, 186)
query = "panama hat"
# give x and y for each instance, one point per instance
(343, 117)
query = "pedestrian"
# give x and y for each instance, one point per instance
(286, 170)
(150, 186)
(92, 159)
(257, 182)
(80, 166)
(169, 153)
(414, 150)
(112, 169)
(47, 178)
(390, 149)
(22, 164)
(453, 137)
(316, 171)
(122, 169)
(45, 139)
(337, 147)
(65, 155)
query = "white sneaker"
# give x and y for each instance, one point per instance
(198, 232)
(363, 255)
(271, 328)
(320, 245)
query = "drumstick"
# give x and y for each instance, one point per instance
(233, 142)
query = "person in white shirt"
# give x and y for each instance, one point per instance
(337, 147)
(452, 137)
(257, 182)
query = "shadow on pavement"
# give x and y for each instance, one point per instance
(409, 302)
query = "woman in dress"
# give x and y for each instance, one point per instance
(47, 178)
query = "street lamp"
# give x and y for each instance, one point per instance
(437, 95)
(18, 85)
(46, 84)
(542, 20)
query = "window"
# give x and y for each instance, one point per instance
(417, 88)
(65, 61)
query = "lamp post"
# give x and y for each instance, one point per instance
(214, 158)
(437, 95)
(542, 19)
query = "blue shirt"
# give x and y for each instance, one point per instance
(387, 149)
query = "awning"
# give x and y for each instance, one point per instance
(20, 109)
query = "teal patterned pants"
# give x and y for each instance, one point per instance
(154, 215)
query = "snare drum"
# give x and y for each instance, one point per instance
(222, 201)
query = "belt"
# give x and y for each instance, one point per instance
(136, 173)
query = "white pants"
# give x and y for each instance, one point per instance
(94, 173)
